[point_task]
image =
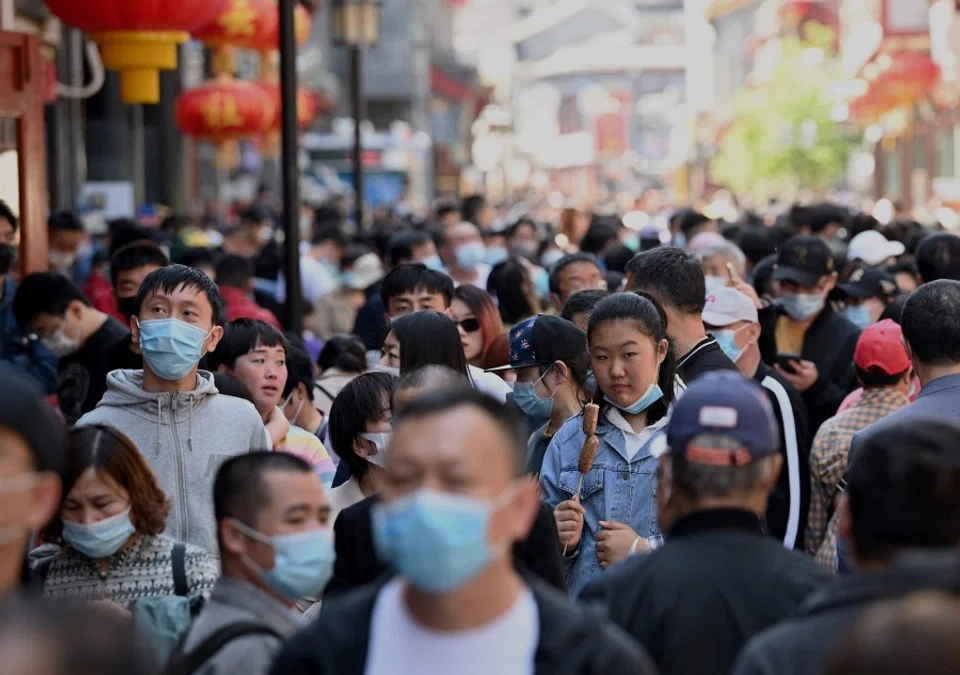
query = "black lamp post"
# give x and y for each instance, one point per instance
(290, 167)
(356, 25)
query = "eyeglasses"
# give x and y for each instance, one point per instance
(469, 325)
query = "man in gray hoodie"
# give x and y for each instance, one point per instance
(171, 411)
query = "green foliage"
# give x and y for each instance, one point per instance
(782, 136)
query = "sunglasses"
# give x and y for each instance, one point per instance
(469, 325)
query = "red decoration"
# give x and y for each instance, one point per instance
(96, 16)
(252, 24)
(306, 106)
(225, 110)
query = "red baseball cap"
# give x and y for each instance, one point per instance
(881, 346)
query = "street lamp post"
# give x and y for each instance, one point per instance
(290, 167)
(356, 25)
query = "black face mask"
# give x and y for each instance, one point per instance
(127, 306)
(7, 256)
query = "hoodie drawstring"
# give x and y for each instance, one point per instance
(159, 425)
(190, 424)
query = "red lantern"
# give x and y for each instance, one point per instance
(225, 110)
(306, 107)
(138, 37)
(251, 24)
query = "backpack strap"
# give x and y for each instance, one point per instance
(179, 559)
(38, 575)
(185, 664)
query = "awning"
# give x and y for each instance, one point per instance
(894, 80)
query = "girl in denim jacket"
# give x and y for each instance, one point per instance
(615, 512)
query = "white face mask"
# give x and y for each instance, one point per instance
(380, 441)
(61, 261)
(61, 344)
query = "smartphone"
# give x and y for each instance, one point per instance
(783, 360)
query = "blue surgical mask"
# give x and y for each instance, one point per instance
(525, 396)
(171, 348)
(496, 254)
(302, 562)
(541, 283)
(651, 396)
(101, 539)
(551, 258)
(632, 242)
(436, 541)
(433, 262)
(591, 384)
(714, 283)
(389, 370)
(802, 306)
(858, 315)
(726, 339)
(470, 255)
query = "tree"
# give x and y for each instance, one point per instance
(783, 136)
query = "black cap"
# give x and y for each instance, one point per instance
(803, 260)
(870, 282)
(24, 411)
(542, 340)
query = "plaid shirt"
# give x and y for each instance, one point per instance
(828, 460)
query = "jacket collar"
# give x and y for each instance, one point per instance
(738, 520)
(245, 596)
(697, 348)
(940, 384)
(614, 437)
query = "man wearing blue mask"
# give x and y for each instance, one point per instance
(731, 317)
(549, 356)
(453, 505)
(276, 547)
(803, 337)
(464, 254)
(171, 410)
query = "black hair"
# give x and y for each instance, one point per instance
(507, 282)
(254, 215)
(197, 256)
(471, 206)
(231, 385)
(378, 237)
(618, 258)
(430, 375)
(756, 243)
(861, 222)
(412, 277)
(64, 221)
(365, 397)
(45, 293)
(234, 271)
(402, 244)
(343, 352)
(168, 279)
(904, 267)
(689, 220)
(352, 253)
(444, 207)
(582, 302)
(136, 255)
(565, 262)
(507, 419)
(7, 212)
(822, 215)
(523, 221)
(600, 233)
(903, 488)
(428, 337)
(894, 308)
(299, 370)
(671, 275)
(240, 490)
(648, 316)
(331, 233)
(931, 322)
(875, 378)
(938, 257)
(242, 336)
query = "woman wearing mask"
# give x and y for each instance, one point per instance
(111, 515)
(477, 320)
(866, 294)
(360, 428)
(610, 512)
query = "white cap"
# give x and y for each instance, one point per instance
(366, 271)
(726, 306)
(873, 248)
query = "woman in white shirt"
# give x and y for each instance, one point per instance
(359, 432)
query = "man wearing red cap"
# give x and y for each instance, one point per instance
(884, 370)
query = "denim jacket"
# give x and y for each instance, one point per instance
(23, 351)
(613, 490)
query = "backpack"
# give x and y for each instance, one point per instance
(182, 663)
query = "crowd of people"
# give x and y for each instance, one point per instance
(557, 445)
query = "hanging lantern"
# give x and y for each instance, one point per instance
(224, 110)
(138, 37)
(250, 24)
(306, 107)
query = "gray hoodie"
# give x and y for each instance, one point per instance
(184, 436)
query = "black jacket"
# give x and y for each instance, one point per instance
(703, 358)
(801, 644)
(357, 562)
(829, 343)
(716, 582)
(573, 640)
(790, 500)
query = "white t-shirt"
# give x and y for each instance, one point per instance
(401, 646)
(632, 440)
(489, 383)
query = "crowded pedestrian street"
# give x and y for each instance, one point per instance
(479, 337)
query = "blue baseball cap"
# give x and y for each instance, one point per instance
(727, 403)
(543, 340)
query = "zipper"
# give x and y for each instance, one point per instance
(178, 461)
